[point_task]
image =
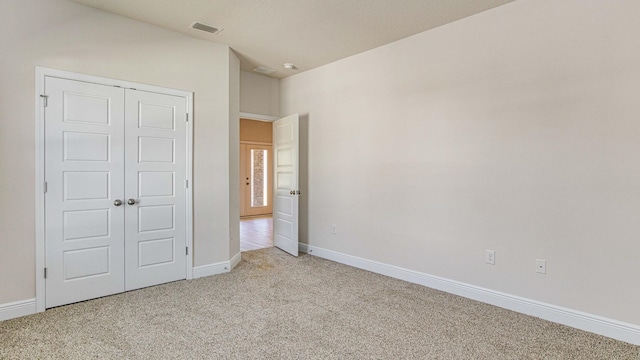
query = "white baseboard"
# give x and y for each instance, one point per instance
(17, 309)
(211, 269)
(593, 323)
(28, 307)
(235, 260)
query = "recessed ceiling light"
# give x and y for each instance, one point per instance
(289, 66)
(200, 26)
(264, 70)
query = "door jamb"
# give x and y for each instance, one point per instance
(41, 74)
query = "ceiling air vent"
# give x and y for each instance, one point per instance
(200, 26)
(264, 70)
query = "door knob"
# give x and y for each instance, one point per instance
(247, 183)
(118, 202)
(131, 202)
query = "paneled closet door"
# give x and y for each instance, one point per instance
(115, 206)
(155, 242)
(84, 206)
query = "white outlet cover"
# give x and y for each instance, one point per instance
(490, 257)
(541, 266)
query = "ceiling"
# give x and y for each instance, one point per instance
(306, 33)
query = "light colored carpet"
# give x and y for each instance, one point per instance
(274, 306)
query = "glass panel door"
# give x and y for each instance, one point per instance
(257, 180)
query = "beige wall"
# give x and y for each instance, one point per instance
(515, 130)
(63, 35)
(234, 155)
(256, 131)
(259, 94)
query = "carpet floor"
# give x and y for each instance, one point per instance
(275, 306)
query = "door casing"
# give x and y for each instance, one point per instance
(40, 98)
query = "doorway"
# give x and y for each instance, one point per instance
(256, 184)
(283, 137)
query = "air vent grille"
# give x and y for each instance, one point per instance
(200, 26)
(264, 70)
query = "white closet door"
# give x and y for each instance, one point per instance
(155, 241)
(84, 171)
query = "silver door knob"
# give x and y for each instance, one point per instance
(118, 202)
(131, 202)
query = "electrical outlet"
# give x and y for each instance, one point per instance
(334, 229)
(490, 257)
(541, 266)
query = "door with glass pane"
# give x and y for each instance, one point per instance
(256, 189)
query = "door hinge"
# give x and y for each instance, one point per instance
(44, 187)
(45, 99)
(186, 184)
(45, 273)
(187, 117)
(186, 250)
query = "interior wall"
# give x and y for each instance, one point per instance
(256, 131)
(63, 35)
(234, 155)
(514, 130)
(259, 94)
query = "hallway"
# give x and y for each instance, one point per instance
(256, 233)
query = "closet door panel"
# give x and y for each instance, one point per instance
(155, 182)
(84, 171)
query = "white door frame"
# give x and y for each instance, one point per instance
(41, 73)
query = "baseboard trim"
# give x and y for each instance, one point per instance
(235, 260)
(211, 269)
(593, 323)
(17, 309)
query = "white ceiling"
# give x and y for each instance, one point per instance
(307, 33)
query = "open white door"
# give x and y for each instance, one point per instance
(285, 205)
